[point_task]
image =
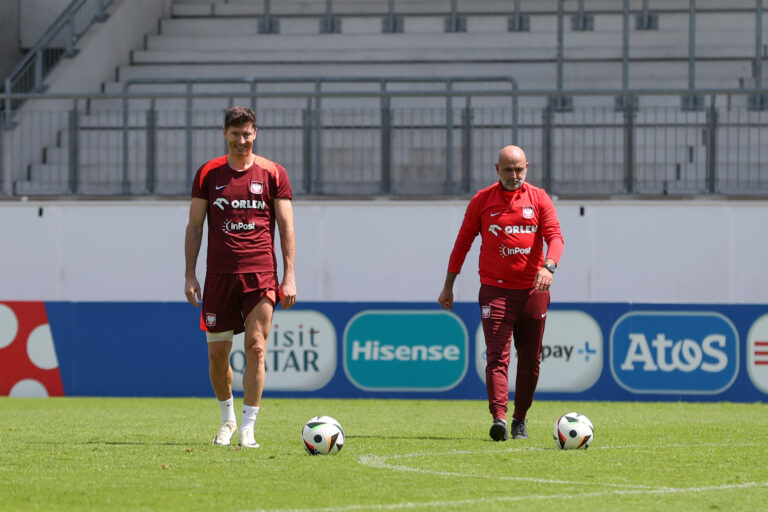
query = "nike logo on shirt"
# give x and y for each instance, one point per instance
(495, 214)
(221, 187)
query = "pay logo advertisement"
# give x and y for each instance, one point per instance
(571, 353)
(405, 350)
(674, 352)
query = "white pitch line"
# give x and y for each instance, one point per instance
(510, 499)
(379, 461)
(648, 447)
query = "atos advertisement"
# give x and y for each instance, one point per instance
(589, 351)
(660, 352)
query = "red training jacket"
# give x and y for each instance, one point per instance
(513, 227)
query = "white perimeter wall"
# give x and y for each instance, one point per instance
(617, 251)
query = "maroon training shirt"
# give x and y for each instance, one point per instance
(241, 214)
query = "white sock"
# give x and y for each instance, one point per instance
(249, 416)
(228, 410)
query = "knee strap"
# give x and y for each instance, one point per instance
(220, 336)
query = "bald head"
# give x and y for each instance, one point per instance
(512, 167)
(512, 153)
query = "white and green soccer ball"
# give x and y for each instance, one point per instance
(322, 435)
(573, 431)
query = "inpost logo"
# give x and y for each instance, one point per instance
(301, 352)
(674, 352)
(231, 226)
(405, 350)
(512, 251)
(571, 353)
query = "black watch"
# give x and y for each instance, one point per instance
(550, 267)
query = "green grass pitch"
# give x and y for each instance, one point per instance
(105, 454)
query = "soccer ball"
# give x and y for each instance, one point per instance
(322, 435)
(573, 431)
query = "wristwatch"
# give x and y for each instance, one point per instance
(550, 267)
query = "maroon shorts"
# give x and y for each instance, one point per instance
(228, 298)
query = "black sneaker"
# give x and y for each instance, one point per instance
(518, 429)
(499, 430)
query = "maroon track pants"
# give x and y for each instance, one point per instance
(508, 315)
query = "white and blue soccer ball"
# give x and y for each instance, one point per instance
(573, 431)
(322, 435)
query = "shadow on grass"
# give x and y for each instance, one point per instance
(415, 438)
(138, 443)
(114, 443)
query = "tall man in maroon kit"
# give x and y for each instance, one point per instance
(513, 219)
(243, 195)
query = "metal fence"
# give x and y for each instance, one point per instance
(57, 42)
(405, 143)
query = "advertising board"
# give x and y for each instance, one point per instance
(590, 351)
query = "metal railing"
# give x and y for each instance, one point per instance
(59, 40)
(393, 142)
(646, 21)
(387, 140)
(314, 108)
(56, 43)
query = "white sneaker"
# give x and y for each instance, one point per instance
(246, 438)
(224, 437)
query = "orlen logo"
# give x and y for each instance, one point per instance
(674, 352)
(512, 230)
(405, 350)
(240, 204)
(301, 352)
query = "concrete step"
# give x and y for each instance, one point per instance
(38, 188)
(539, 46)
(358, 7)
(342, 175)
(534, 73)
(111, 188)
(331, 57)
(290, 110)
(340, 52)
(171, 125)
(54, 173)
(657, 145)
(601, 5)
(348, 7)
(725, 27)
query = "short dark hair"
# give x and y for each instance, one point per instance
(238, 115)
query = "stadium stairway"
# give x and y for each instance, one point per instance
(215, 39)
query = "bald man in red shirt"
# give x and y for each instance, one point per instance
(514, 219)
